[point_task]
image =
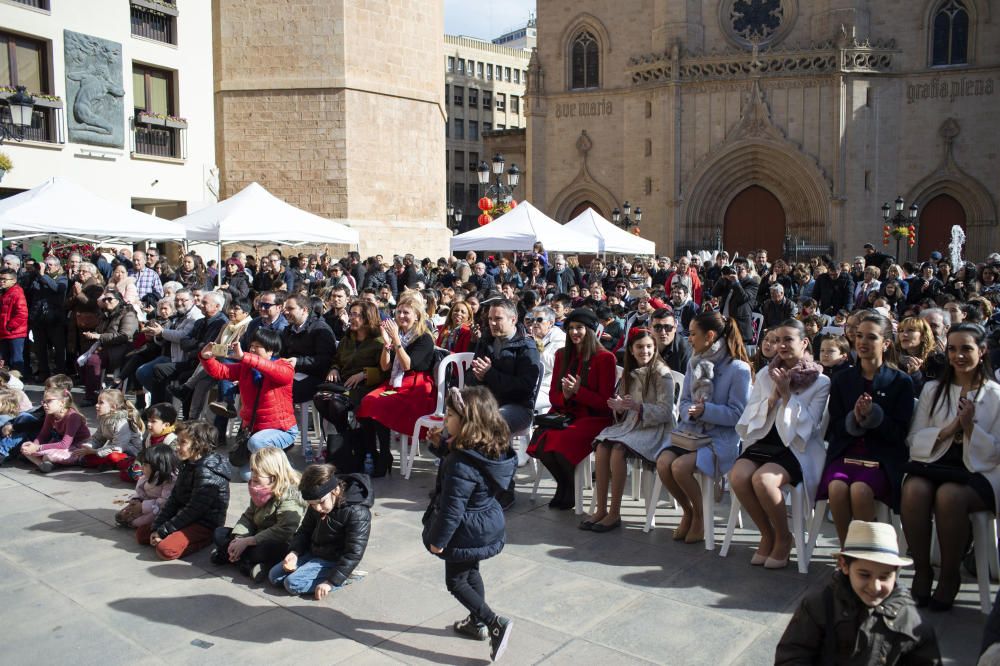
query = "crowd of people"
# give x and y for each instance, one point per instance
(866, 382)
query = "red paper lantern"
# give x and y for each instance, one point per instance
(636, 231)
(513, 204)
(484, 219)
(485, 204)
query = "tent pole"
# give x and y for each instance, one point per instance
(218, 264)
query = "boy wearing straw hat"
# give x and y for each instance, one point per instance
(862, 616)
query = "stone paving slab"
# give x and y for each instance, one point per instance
(76, 588)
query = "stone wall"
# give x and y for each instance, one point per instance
(336, 108)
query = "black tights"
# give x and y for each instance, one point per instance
(562, 470)
(464, 582)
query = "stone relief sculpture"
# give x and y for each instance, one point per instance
(94, 90)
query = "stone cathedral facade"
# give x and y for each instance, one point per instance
(777, 124)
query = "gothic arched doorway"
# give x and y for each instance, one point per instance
(937, 218)
(754, 220)
(584, 206)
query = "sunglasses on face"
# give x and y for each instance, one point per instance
(535, 320)
(665, 328)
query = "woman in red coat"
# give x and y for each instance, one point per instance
(396, 404)
(265, 390)
(583, 381)
(456, 334)
(13, 321)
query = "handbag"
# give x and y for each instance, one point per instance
(240, 455)
(688, 440)
(553, 420)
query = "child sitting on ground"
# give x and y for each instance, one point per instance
(28, 423)
(199, 500)
(118, 437)
(9, 410)
(260, 538)
(333, 536)
(12, 382)
(158, 465)
(161, 422)
(861, 614)
(63, 434)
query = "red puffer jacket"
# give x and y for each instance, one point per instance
(275, 409)
(13, 314)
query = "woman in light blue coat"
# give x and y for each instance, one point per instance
(716, 389)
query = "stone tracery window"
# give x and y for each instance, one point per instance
(950, 34)
(760, 22)
(585, 61)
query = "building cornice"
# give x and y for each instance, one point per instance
(490, 47)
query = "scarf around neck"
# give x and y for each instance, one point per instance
(396, 379)
(803, 373)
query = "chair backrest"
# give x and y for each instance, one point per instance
(757, 322)
(461, 363)
(678, 389)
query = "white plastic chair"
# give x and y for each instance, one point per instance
(984, 549)
(409, 448)
(646, 482)
(302, 420)
(883, 515)
(794, 495)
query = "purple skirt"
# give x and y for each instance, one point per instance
(837, 470)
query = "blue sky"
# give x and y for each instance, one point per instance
(485, 19)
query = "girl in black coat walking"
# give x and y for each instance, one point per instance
(464, 523)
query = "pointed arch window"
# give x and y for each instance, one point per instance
(586, 61)
(950, 31)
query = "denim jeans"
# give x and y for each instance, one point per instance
(273, 438)
(12, 352)
(144, 373)
(312, 571)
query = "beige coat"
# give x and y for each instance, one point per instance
(645, 431)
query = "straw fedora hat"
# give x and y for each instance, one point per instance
(875, 542)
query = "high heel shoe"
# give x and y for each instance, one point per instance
(758, 559)
(774, 563)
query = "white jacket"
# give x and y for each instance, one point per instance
(801, 424)
(981, 447)
(553, 341)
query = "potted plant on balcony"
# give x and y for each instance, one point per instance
(151, 118)
(5, 164)
(176, 122)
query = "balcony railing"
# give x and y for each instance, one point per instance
(37, 4)
(153, 23)
(159, 141)
(46, 124)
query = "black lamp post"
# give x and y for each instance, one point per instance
(899, 221)
(718, 239)
(454, 218)
(21, 105)
(626, 221)
(502, 194)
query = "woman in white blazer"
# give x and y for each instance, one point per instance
(954, 467)
(782, 431)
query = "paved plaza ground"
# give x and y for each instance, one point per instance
(76, 589)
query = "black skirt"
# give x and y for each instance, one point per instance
(950, 468)
(771, 449)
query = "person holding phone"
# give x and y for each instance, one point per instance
(952, 470)
(871, 406)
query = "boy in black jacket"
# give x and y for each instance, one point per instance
(333, 536)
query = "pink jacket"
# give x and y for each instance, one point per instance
(153, 498)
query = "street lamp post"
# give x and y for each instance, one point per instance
(625, 221)
(21, 105)
(500, 195)
(899, 225)
(454, 219)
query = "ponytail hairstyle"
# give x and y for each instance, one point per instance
(724, 329)
(984, 371)
(890, 357)
(62, 394)
(120, 404)
(634, 335)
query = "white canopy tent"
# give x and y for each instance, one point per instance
(254, 214)
(519, 230)
(60, 207)
(610, 238)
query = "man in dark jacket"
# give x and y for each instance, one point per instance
(507, 363)
(737, 292)
(834, 290)
(560, 275)
(777, 308)
(411, 276)
(482, 280)
(333, 536)
(205, 331)
(309, 344)
(674, 349)
(46, 294)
